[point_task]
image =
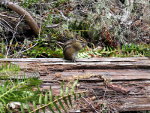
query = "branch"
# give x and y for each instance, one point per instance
(31, 22)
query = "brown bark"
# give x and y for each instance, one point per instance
(123, 84)
(29, 19)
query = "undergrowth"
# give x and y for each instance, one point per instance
(129, 50)
(98, 22)
(7, 70)
(7, 67)
(25, 95)
(44, 52)
(103, 30)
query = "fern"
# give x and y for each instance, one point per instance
(17, 91)
(128, 50)
(53, 103)
(21, 91)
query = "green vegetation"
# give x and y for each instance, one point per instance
(27, 94)
(129, 50)
(8, 67)
(98, 22)
(27, 3)
(44, 52)
(8, 70)
(24, 95)
(99, 25)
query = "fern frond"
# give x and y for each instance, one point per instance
(17, 91)
(54, 102)
(35, 101)
(58, 102)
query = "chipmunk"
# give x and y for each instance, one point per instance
(71, 49)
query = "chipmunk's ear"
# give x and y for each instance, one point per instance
(74, 40)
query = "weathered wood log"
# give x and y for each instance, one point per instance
(129, 87)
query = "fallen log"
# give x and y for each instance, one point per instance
(123, 83)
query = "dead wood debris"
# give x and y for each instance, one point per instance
(32, 23)
(106, 81)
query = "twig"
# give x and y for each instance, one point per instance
(90, 105)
